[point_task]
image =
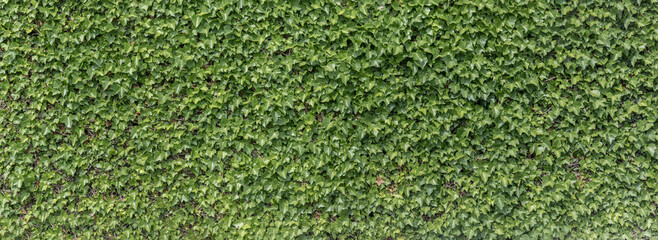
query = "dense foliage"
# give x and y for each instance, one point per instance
(423, 119)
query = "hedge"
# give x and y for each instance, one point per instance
(328, 119)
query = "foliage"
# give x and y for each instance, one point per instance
(325, 119)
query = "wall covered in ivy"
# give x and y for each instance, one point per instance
(328, 119)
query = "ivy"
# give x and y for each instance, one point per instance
(328, 119)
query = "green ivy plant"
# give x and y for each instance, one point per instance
(328, 119)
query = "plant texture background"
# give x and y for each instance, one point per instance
(328, 119)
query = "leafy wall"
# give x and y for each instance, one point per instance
(328, 119)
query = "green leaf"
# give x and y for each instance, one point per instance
(595, 93)
(420, 59)
(196, 20)
(68, 122)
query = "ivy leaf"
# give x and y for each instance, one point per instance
(595, 93)
(379, 181)
(196, 20)
(68, 122)
(420, 59)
